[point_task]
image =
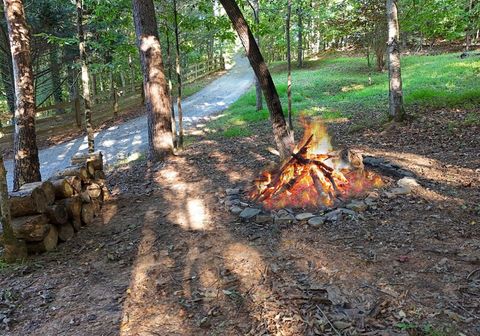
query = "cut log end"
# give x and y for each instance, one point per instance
(88, 213)
(49, 243)
(66, 232)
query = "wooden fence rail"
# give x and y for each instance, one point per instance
(107, 105)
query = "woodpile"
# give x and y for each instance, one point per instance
(49, 212)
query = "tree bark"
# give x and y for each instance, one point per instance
(289, 64)
(300, 37)
(85, 78)
(26, 162)
(14, 249)
(283, 136)
(6, 68)
(397, 111)
(55, 76)
(157, 101)
(31, 228)
(258, 87)
(170, 87)
(179, 76)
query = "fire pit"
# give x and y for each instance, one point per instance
(316, 184)
(314, 176)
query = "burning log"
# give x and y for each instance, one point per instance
(313, 175)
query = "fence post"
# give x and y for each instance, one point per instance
(76, 107)
(222, 63)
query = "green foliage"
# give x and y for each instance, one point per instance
(337, 87)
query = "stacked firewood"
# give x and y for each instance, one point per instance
(49, 212)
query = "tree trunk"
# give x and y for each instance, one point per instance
(179, 76)
(283, 136)
(55, 76)
(31, 228)
(258, 87)
(85, 78)
(94, 89)
(170, 87)
(6, 68)
(157, 100)
(72, 83)
(397, 111)
(14, 249)
(300, 37)
(27, 165)
(289, 64)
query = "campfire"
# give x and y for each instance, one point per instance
(315, 175)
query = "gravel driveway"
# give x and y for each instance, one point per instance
(130, 138)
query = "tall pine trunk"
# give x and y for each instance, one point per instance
(170, 86)
(6, 68)
(396, 109)
(283, 136)
(300, 37)
(258, 87)
(26, 162)
(85, 78)
(179, 76)
(157, 101)
(289, 63)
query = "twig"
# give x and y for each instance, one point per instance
(463, 308)
(331, 324)
(472, 273)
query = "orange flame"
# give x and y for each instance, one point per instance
(315, 175)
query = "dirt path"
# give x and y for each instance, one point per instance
(130, 138)
(167, 258)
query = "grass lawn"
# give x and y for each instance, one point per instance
(338, 87)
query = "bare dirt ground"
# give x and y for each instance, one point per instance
(166, 258)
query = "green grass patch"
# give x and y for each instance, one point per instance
(3, 264)
(339, 87)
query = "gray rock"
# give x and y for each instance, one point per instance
(249, 213)
(283, 220)
(263, 219)
(316, 221)
(397, 191)
(304, 216)
(408, 182)
(358, 206)
(236, 210)
(338, 214)
(283, 213)
(232, 191)
(232, 202)
(341, 325)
